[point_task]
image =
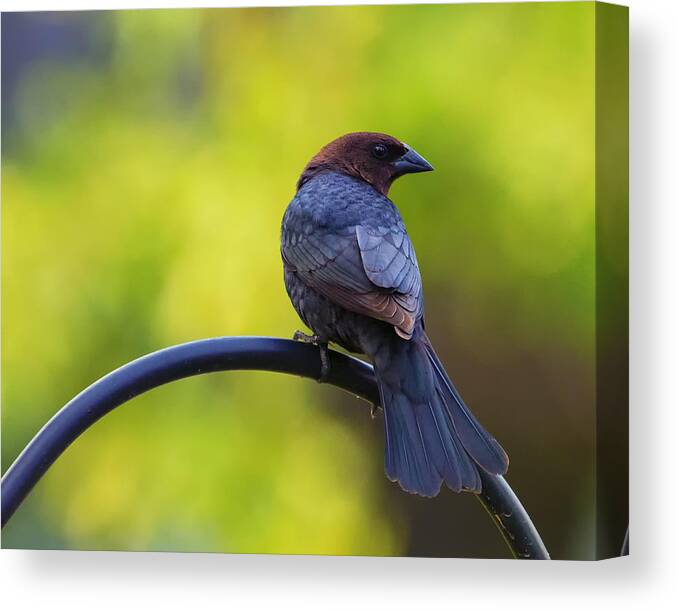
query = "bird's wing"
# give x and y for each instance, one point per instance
(371, 271)
(390, 263)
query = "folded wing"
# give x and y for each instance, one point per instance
(369, 270)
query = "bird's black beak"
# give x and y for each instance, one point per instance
(411, 163)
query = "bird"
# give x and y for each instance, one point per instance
(351, 273)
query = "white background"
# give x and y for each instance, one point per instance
(646, 579)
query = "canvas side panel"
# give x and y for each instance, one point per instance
(612, 336)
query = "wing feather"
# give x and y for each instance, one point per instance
(369, 270)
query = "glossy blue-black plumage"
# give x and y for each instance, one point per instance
(352, 275)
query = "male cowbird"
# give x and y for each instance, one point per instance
(353, 278)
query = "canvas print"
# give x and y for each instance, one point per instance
(317, 280)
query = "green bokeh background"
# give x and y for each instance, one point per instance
(144, 177)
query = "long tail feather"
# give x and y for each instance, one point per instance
(431, 436)
(479, 443)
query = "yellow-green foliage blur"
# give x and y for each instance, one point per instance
(146, 167)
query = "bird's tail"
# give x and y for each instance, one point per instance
(431, 435)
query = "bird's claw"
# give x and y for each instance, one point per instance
(304, 338)
(324, 352)
(374, 410)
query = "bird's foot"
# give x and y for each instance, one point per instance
(304, 338)
(324, 362)
(324, 352)
(374, 410)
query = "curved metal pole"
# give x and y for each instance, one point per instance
(228, 354)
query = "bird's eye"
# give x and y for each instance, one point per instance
(379, 151)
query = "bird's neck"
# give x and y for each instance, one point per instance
(314, 169)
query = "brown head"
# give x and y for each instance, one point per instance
(375, 158)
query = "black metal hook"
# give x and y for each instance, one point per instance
(229, 354)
